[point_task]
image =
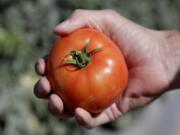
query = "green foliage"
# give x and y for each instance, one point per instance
(8, 43)
(26, 34)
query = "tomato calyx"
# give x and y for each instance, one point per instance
(81, 58)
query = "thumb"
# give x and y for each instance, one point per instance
(68, 26)
(103, 20)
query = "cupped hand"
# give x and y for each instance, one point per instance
(144, 51)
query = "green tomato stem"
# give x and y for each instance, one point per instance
(81, 58)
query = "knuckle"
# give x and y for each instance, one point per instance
(40, 91)
(109, 16)
(78, 11)
(76, 14)
(110, 12)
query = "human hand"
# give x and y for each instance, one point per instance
(145, 52)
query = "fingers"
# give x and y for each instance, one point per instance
(40, 66)
(85, 119)
(55, 105)
(75, 21)
(42, 88)
(102, 20)
(69, 26)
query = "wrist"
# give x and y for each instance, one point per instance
(171, 57)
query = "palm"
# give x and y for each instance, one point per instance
(147, 74)
(143, 54)
(145, 83)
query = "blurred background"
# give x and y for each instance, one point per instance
(26, 34)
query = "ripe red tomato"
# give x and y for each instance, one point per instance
(86, 69)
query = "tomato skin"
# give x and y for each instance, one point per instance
(94, 87)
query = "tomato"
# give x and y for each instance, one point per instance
(86, 69)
